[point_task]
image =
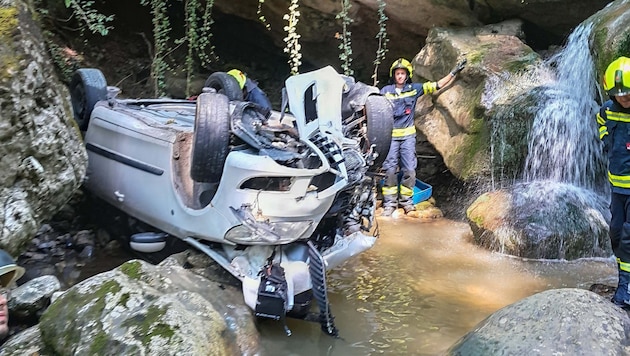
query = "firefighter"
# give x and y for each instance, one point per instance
(614, 124)
(402, 153)
(251, 91)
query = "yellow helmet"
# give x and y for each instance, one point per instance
(240, 77)
(617, 77)
(401, 63)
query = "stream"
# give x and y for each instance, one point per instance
(421, 287)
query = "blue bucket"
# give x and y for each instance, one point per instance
(421, 191)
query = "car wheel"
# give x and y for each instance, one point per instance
(380, 122)
(88, 86)
(224, 84)
(211, 138)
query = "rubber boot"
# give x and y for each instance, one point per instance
(622, 295)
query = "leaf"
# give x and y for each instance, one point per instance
(67, 2)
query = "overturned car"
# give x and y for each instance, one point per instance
(276, 198)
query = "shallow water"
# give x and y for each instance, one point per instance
(422, 287)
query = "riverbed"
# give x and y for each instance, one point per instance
(421, 287)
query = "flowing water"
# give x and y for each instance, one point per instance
(564, 145)
(421, 288)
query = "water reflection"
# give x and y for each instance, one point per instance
(421, 288)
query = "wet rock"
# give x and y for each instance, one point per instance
(425, 211)
(566, 321)
(84, 238)
(163, 309)
(29, 300)
(102, 237)
(27, 342)
(542, 220)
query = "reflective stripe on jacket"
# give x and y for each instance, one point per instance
(614, 131)
(404, 105)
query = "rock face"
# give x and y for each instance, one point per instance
(611, 30)
(408, 23)
(554, 322)
(42, 160)
(454, 121)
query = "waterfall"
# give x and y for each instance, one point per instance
(546, 154)
(564, 145)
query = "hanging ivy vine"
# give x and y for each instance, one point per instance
(205, 48)
(345, 46)
(192, 36)
(381, 36)
(200, 50)
(85, 13)
(198, 35)
(161, 30)
(292, 40)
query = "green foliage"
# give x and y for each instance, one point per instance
(381, 36)
(203, 46)
(293, 46)
(198, 38)
(66, 66)
(161, 30)
(85, 13)
(345, 46)
(190, 9)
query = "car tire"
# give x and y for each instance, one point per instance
(211, 138)
(225, 84)
(380, 122)
(87, 87)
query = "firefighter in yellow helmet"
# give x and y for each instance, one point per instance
(251, 91)
(403, 94)
(614, 124)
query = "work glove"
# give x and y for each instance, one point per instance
(458, 68)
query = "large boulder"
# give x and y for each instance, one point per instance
(542, 219)
(42, 159)
(455, 121)
(555, 322)
(140, 308)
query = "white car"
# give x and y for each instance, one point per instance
(275, 198)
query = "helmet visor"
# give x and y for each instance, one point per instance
(617, 77)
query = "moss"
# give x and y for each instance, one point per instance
(475, 143)
(124, 299)
(476, 56)
(624, 46)
(610, 38)
(8, 64)
(99, 344)
(149, 325)
(8, 21)
(522, 62)
(67, 305)
(132, 269)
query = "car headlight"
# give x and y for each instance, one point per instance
(268, 233)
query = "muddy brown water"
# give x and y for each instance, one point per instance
(422, 287)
